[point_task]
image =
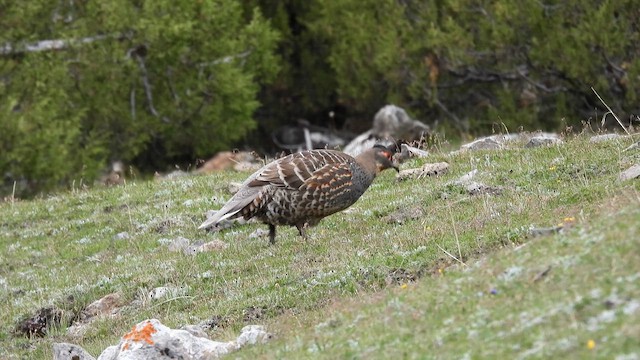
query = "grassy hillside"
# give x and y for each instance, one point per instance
(414, 267)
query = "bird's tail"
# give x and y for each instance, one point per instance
(209, 222)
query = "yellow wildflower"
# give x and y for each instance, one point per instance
(591, 344)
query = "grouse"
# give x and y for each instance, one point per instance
(302, 188)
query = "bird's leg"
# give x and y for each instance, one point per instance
(302, 229)
(272, 234)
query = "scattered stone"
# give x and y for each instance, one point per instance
(78, 330)
(487, 143)
(434, 169)
(476, 188)
(407, 152)
(543, 140)
(158, 292)
(605, 137)
(152, 340)
(40, 322)
(122, 236)
(466, 178)
(107, 305)
(166, 291)
(178, 244)
(185, 246)
(535, 232)
(65, 351)
(213, 245)
(259, 233)
(631, 173)
(188, 203)
(404, 214)
(253, 335)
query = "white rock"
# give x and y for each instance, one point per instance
(390, 123)
(605, 137)
(543, 139)
(427, 170)
(109, 353)
(151, 340)
(122, 236)
(252, 335)
(486, 143)
(631, 173)
(160, 292)
(213, 245)
(65, 351)
(178, 244)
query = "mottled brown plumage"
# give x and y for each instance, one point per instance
(302, 188)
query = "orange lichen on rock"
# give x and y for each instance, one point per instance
(139, 335)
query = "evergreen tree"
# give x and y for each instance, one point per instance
(147, 82)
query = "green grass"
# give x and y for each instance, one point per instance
(360, 287)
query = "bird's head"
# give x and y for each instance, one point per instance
(383, 157)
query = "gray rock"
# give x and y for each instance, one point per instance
(476, 188)
(252, 335)
(393, 122)
(434, 169)
(122, 236)
(407, 152)
(535, 232)
(259, 233)
(631, 173)
(106, 305)
(605, 137)
(213, 245)
(543, 140)
(65, 351)
(488, 143)
(109, 353)
(178, 244)
(390, 123)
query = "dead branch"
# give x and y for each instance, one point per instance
(49, 45)
(610, 112)
(225, 60)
